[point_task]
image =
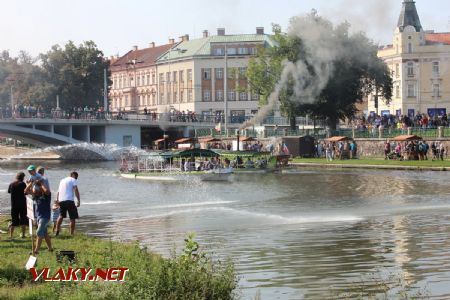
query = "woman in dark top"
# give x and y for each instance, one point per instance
(18, 204)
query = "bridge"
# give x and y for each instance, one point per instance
(136, 131)
(133, 129)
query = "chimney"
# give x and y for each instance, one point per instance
(205, 33)
(259, 30)
(184, 38)
(135, 48)
(151, 45)
(220, 31)
(171, 41)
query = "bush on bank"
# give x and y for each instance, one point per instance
(190, 275)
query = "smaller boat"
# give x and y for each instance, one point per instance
(175, 166)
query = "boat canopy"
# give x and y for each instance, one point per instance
(232, 154)
(189, 153)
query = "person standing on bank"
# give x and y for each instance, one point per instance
(18, 204)
(68, 189)
(39, 191)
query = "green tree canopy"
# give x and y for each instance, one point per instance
(318, 69)
(75, 73)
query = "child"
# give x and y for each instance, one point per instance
(55, 214)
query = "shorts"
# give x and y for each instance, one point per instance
(19, 216)
(68, 206)
(42, 227)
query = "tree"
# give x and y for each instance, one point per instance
(76, 74)
(318, 69)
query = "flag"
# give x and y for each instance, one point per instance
(285, 149)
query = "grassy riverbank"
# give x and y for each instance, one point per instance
(190, 275)
(375, 162)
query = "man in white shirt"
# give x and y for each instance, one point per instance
(68, 189)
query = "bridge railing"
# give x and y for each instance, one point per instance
(155, 117)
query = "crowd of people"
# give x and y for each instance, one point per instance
(37, 187)
(420, 120)
(415, 150)
(336, 150)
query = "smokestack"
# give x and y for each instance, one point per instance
(135, 48)
(221, 31)
(151, 45)
(205, 33)
(184, 38)
(259, 30)
(171, 41)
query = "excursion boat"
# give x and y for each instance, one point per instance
(175, 165)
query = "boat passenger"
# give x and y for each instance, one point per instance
(187, 165)
(182, 165)
(206, 164)
(249, 164)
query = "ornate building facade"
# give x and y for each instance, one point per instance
(420, 64)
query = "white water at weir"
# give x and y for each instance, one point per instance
(83, 151)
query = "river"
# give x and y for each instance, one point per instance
(309, 234)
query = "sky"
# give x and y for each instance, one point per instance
(116, 25)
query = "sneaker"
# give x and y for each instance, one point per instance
(57, 233)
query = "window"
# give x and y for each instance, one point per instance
(189, 95)
(174, 76)
(175, 97)
(206, 74)
(161, 78)
(410, 49)
(126, 100)
(189, 75)
(231, 95)
(436, 68)
(219, 95)
(252, 50)
(436, 90)
(168, 96)
(242, 72)
(255, 97)
(231, 51)
(397, 70)
(139, 80)
(243, 96)
(411, 90)
(219, 73)
(161, 98)
(397, 91)
(153, 78)
(242, 50)
(148, 79)
(410, 67)
(219, 51)
(181, 96)
(181, 76)
(168, 77)
(153, 99)
(206, 95)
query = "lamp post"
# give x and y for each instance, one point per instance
(225, 99)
